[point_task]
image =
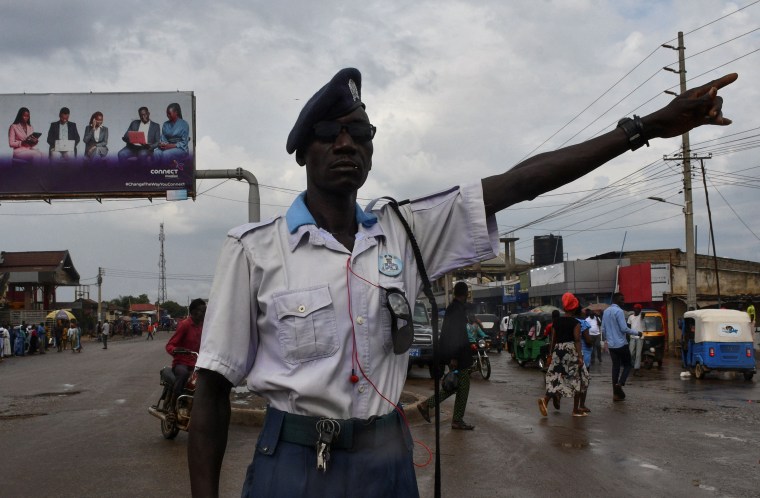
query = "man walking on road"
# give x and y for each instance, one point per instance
(636, 322)
(615, 329)
(595, 332)
(455, 346)
(106, 330)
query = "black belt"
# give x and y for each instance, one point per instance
(354, 433)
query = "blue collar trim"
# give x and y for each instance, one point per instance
(298, 215)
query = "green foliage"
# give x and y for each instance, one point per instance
(124, 301)
(174, 309)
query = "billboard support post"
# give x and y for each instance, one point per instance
(254, 202)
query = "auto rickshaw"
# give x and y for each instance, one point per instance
(530, 342)
(718, 340)
(653, 348)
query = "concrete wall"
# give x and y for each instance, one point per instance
(583, 277)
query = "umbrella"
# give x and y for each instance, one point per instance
(546, 308)
(60, 315)
(597, 306)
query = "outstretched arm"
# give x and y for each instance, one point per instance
(208, 432)
(547, 171)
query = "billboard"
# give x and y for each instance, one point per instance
(98, 145)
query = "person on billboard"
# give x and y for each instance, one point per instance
(141, 137)
(63, 137)
(22, 138)
(175, 137)
(96, 138)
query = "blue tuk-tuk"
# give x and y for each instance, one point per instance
(718, 340)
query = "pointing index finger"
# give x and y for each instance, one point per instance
(724, 81)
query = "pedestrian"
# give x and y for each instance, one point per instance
(5, 342)
(99, 331)
(455, 348)
(298, 305)
(20, 344)
(105, 331)
(42, 334)
(31, 333)
(636, 343)
(567, 375)
(752, 315)
(75, 337)
(595, 332)
(58, 331)
(151, 329)
(615, 330)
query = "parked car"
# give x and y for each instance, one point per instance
(421, 351)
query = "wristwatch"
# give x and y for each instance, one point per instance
(634, 130)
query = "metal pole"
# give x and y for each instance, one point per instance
(100, 297)
(691, 258)
(254, 202)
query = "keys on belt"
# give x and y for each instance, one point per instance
(327, 430)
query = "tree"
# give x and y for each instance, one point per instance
(174, 309)
(124, 301)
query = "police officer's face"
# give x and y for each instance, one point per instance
(341, 165)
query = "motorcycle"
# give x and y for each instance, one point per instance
(480, 358)
(174, 418)
(652, 351)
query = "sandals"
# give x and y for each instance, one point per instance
(542, 407)
(580, 414)
(585, 410)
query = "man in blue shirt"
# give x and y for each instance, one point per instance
(615, 329)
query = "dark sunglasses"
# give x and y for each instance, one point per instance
(328, 131)
(398, 306)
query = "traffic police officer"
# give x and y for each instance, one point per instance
(299, 310)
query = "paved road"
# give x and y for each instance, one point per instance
(77, 425)
(671, 437)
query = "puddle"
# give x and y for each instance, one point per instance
(650, 466)
(21, 415)
(684, 410)
(50, 395)
(723, 436)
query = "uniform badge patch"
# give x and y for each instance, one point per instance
(390, 265)
(354, 91)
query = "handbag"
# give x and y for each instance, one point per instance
(450, 381)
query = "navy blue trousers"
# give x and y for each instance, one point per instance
(379, 468)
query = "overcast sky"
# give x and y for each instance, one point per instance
(458, 90)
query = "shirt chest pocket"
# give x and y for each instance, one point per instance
(306, 326)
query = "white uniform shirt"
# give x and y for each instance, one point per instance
(593, 325)
(280, 316)
(636, 322)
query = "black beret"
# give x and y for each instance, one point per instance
(341, 96)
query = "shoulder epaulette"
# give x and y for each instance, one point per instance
(239, 231)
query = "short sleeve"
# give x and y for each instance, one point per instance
(229, 340)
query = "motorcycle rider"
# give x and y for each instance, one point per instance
(474, 331)
(187, 336)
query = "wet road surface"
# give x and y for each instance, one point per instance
(76, 425)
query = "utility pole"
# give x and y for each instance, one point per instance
(161, 277)
(691, 257)
(100, 295)
(712, 233)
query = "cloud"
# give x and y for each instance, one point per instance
(459, 90)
